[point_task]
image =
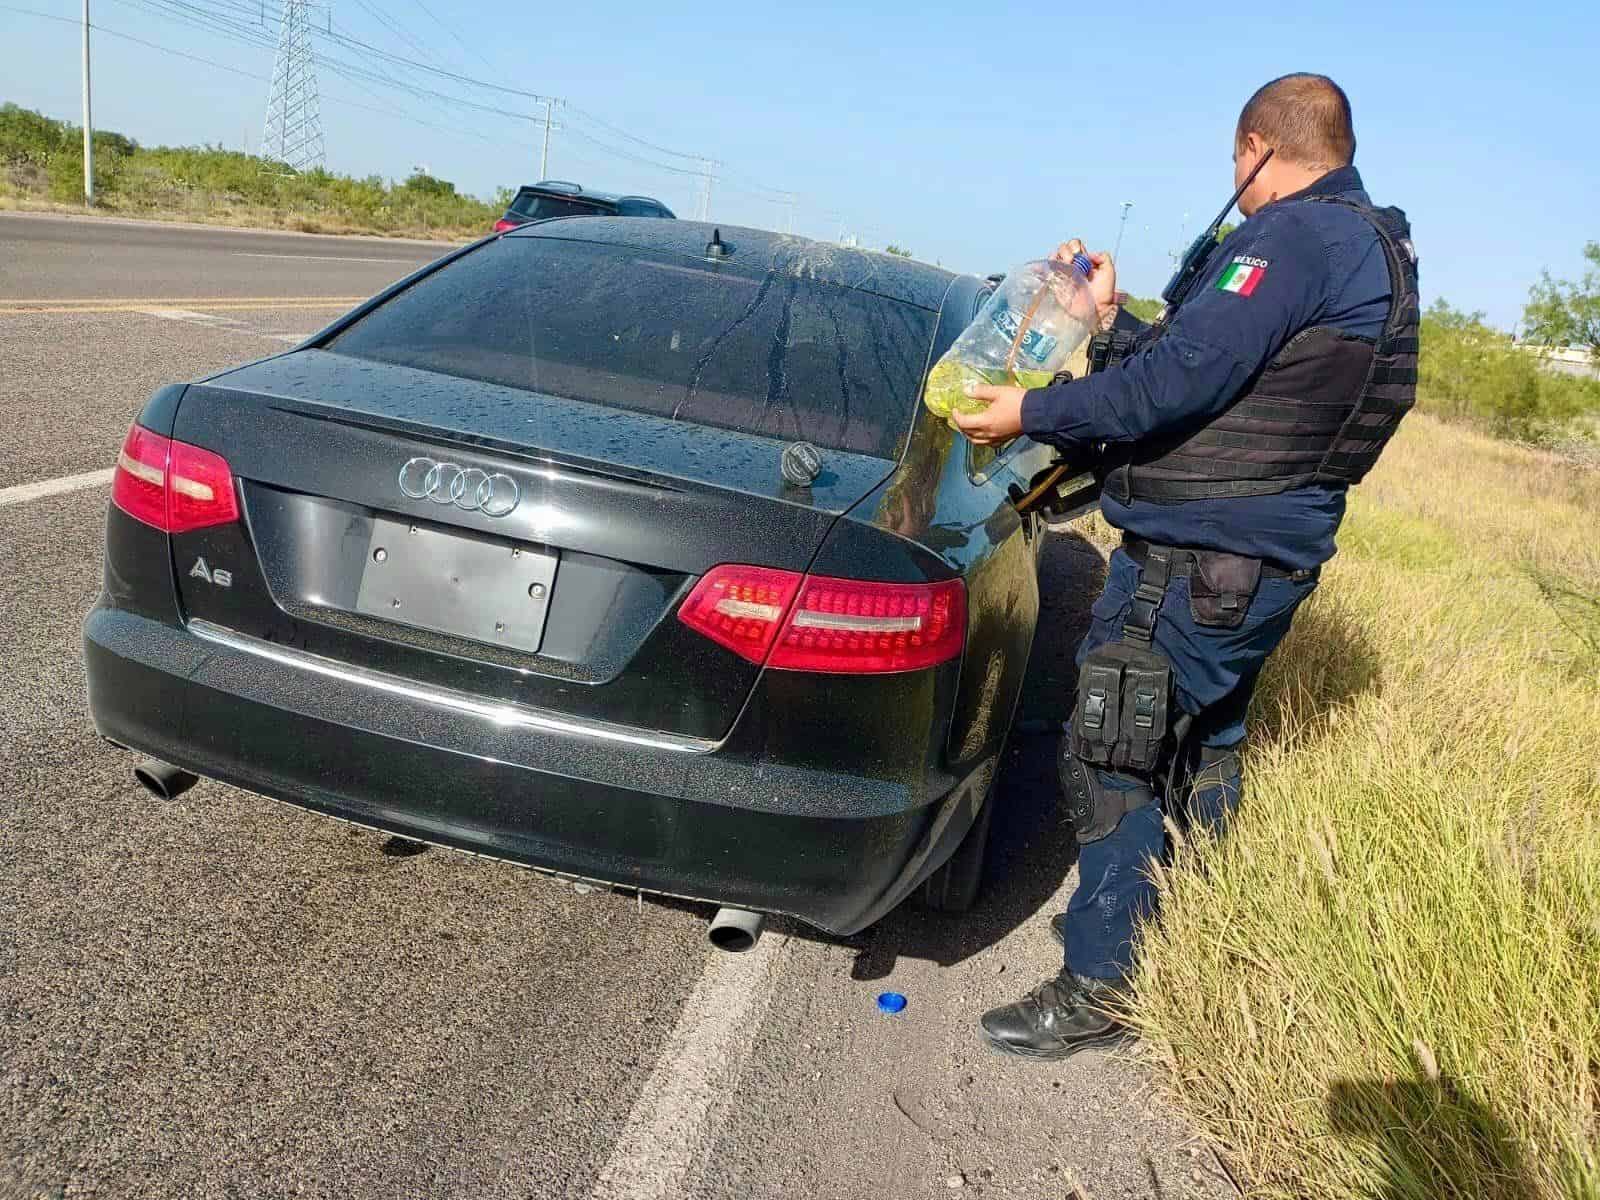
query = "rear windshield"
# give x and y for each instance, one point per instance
(758, 350)
(534, 207)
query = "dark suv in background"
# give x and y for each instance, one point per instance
(558, 198)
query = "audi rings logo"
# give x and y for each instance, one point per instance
(468, 488)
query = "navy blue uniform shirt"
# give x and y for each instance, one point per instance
(1324, 265)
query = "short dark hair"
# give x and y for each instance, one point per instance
(1304, 118)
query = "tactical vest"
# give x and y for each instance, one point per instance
(1319, 413)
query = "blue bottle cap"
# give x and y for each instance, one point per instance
(1082, 264)
(891, 1002)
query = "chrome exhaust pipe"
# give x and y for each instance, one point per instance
(735, 929)
(163, 780)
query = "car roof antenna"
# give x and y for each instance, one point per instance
(716, 247)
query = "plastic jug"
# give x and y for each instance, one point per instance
(1024, 333)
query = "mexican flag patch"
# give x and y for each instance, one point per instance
(1242, 275)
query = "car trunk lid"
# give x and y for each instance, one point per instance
(373, 534)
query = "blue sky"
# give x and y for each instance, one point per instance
(977, 135)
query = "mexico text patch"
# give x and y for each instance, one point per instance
(1242, 275)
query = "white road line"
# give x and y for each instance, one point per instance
(694, 1078)
(192, 317)
(23, 492)
(399, 262)
(213, 321)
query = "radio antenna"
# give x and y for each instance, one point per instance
(1194, 259)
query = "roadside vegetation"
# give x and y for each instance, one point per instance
(1475, 375)
(1471, 373)
(1566, 312)
(41, 166)
(1385, 982)
(1143, 308)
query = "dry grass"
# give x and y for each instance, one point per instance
(240, 216)
(1386, 981)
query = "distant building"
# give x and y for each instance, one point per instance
(1567, 360)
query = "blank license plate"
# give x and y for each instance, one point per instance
(457, 583)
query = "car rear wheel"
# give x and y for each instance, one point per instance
(954, 886)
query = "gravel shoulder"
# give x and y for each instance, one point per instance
(840, 1101)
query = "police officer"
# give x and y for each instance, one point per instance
(1227, 439)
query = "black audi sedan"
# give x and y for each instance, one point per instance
(620, 549)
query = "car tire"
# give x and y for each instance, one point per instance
(954, 886)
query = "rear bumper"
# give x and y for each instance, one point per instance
(674, 816)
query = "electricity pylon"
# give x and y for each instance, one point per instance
(293, 132)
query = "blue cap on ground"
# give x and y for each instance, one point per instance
(891, 1002)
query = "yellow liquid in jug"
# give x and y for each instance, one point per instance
(945, 392)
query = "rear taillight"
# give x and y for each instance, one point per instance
(795, 622)
(139, 484)
(848, 625)
(172, 485)
(502, 225)
(741, 608)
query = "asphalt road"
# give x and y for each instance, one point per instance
(221, 997)
(50, 257)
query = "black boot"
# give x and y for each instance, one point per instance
(1059, 1017)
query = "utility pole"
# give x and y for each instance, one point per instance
(88, 123)
(544, 155)
(1126, 205)
(705, 202)
(1183, 232)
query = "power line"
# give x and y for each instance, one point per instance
(382, 78)
(606, 125)
(659, 193)
(582, 114)
(454, 130)
(637, 158)
(191, 14)
(345, 69)
(212, 20)
(454, 35)
(228, 19)
(399, 31)
(349, 41)
(128, 37)
(401, 60)
(198, 18)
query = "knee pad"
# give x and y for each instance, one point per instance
(1096, 810)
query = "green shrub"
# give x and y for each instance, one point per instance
(43, 158)
(1470, 372)
(1145, 310)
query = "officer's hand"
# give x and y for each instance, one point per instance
(1000, 422)
(1102, 280)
